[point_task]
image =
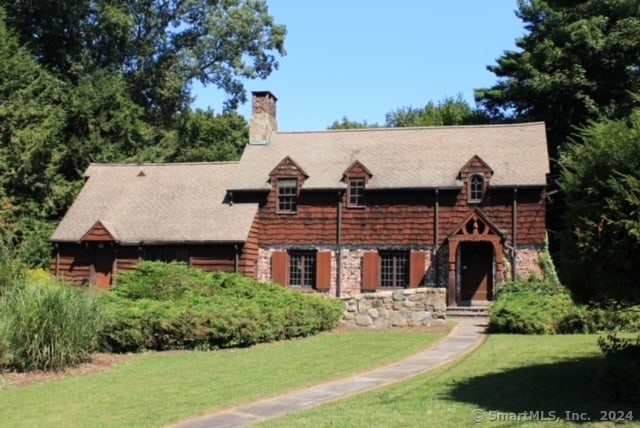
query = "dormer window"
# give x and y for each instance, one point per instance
(287, 195)
(355, 192)
(476, 188)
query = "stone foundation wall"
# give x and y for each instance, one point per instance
(397, 308)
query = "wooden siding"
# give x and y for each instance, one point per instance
(98, 233)
(398, 218)
(249, 257)
(76, 260)
(74, 264)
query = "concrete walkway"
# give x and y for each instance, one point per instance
(463, 339)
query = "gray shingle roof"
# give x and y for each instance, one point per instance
(180, 202)
(402, 157)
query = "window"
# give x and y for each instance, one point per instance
(476, 188)
(166, 254)
(394, 269)
(355, 192)
(288, 195)
(302, 268)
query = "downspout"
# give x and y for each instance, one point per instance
(339, 248)
(514, 240)
(236, 261)
(57, 261)
(436, 238)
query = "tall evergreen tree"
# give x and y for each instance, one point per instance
(578, 61)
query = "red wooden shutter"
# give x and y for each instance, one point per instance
(370, 271)
(323, 271)
(416, 268)
(279, 271)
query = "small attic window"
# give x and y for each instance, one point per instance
(355, 192)
(476, 188)
(287, 195)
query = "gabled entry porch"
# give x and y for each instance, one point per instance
(475, 261)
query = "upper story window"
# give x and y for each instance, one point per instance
(394, 269)
(287, 195)
(355, 192)
(476, 188)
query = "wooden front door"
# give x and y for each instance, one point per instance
(477, 271)
(103, 266)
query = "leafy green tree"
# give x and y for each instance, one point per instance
(202, 136)
(449, 111)
(345, 123)
(578, 61)
(600, 179)
(160, 47)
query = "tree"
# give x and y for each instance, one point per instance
(449, 111)
(578, 61)
(600, 180)
(159, 46)
(345, 123)
(202, 136)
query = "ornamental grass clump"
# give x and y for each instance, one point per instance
(48, 326)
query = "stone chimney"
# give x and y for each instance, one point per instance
(263, 117)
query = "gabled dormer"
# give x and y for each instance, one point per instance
(286, 181)
(475, 175)
(356, 177)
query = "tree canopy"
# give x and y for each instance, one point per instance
(110, 81)
(578, 61)
(600, 180)
(449, 111)
(159, 47)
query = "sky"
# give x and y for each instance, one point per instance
(361, 59)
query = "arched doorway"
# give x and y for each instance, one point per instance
(475, 260)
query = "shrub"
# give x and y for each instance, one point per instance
(163, 306)
(48, 326)
(541, 307)
(622, 368)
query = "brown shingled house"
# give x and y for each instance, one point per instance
(334, 211)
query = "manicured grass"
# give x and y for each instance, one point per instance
(508, 376)
(158, 388)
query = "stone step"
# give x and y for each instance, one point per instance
(468, 312)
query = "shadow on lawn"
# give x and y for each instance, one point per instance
(574, 386)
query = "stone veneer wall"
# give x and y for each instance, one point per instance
(397, 308)
(351, 269)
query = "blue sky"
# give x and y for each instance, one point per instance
(364, 58)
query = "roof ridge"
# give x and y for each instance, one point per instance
(414, 128)
(134, 164)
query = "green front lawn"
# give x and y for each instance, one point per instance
(507, 377)
(158, 388)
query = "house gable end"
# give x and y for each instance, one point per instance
(100, 232)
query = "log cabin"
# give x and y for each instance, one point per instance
(339, 212)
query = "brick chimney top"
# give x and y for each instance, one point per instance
(263, 117)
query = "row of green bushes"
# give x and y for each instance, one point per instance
(538, 307)
(158, 306)
(171, 306)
